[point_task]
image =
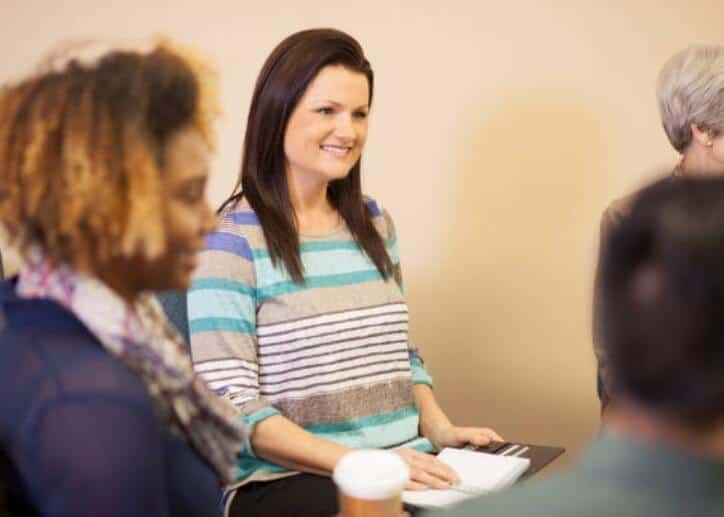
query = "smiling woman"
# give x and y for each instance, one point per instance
(297, 311)
(102, 172)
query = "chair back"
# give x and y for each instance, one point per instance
(174, 305)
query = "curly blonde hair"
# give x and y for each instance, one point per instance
(81, 151)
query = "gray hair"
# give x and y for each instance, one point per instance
(690, 90)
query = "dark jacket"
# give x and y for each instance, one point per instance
(81, 428)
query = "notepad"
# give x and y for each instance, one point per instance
(480, 473)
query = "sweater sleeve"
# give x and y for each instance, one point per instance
(222, 307)
(419, 372)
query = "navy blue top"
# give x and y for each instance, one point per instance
(81, 428)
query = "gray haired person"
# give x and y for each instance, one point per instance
(690, 94)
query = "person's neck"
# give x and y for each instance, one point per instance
(696, 161)
(116, 277)
(312, 208)
(629, 420)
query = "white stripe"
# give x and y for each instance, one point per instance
(225, 374)
(522, 451)
(265, 349)
(319, 330)
(509, 450)
(332, 348)
(336, 376)
(228, 363)
(331, 357)
(236, 380)
(320, 390)
(329, 318)
(241, 400)
(322, 369)
(249, 393)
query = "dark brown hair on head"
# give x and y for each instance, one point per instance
(284, 78)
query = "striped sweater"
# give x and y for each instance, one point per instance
(332, 354)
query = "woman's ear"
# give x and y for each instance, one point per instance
(703, 136)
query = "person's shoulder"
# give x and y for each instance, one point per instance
(238, 232)
(618, 209)
(381, 218)
(559, 496)
(58, 351)
(373, 205)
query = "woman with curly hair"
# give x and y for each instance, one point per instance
(103, 167)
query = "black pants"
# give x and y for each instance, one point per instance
(303, 495)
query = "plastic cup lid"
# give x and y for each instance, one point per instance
(371, 474)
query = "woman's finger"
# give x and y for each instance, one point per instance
(414, 485)
(422, 476)
(437, 468)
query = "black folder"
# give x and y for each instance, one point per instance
(539, 455)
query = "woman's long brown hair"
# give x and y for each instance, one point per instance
(287, 72)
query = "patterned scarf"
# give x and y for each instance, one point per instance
(141, 337)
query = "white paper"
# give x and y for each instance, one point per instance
(479, 472)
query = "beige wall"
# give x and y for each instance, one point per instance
(500, 131)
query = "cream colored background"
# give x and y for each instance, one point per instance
(500, 130)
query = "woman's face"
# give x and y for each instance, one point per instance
(187, 216)
(327, 130)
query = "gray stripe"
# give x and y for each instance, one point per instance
(217, 370)
(325, 354)
(348, 403)
(335, 322)
(310, 375)
(237, 385)
(333, 360)
(330, 333)
(309, 304)
(327, 343)
(332, 383)
(339, 311)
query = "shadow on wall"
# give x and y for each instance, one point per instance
(511, 346)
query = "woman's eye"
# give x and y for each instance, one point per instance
(191, 195)
(325, 111)
(360, 114)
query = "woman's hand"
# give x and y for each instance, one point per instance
(426, 471)
(453, 436)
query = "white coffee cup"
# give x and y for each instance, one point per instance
(370, 483)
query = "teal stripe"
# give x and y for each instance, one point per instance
(248, 465)
(209, 303)
(289, 287)
(250, 421)
(375, 431)
(313, 246)
(367, 421)
(377, 436)
(318, 263)
(420, 444)
(419, 372)
(221, 325)
(256, 417)
(222, 284)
